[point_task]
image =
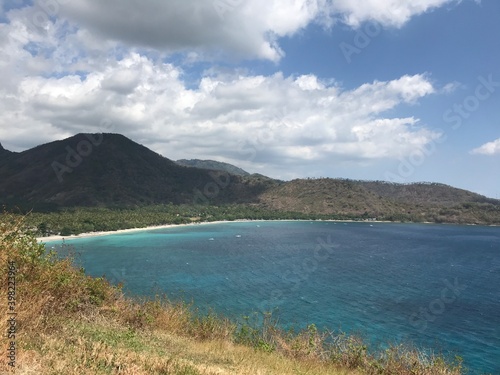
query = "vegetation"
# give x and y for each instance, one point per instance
(76, 220)
(83, 219)
(70, 323)
(110, 170)
(214, 165)
(419, 202)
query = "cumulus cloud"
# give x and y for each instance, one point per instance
(490, 148)
(393, 13)
(237, 28)
(254, 119)
(244, 29)
(82, 71)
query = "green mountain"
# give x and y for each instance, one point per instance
(213, 165)
(112, 170)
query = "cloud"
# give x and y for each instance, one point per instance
(246, 119)
(394, 13)
(450, 88)
(490, 148)
(243, 29)
(229, 28)
(97, 63)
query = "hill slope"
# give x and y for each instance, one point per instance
(4, 153)
(382, 200)
(425, 193)
(110, 169)
(326, 196)
(213, 165)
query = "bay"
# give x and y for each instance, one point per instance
(437, 286)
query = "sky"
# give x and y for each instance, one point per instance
(396, 90)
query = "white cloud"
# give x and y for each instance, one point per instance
(247, 29)
(490, 148)
(386, 12)
(243, 119)
(65, 78)
(451, 87)
(235, 28)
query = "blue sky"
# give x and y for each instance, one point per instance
(393, 90)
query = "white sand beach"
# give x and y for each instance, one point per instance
(95, 234)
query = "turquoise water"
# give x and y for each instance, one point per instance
(437, 286)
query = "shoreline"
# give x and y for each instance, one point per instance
(165, 226)
(153, 227)
(129, 230)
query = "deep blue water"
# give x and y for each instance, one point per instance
(436, 286)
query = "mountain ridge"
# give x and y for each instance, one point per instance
(213, 165)
(4, 152)
(110, 170)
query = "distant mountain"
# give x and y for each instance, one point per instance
(110, 169)
(383, 200)
(327, 196)
(425, 193)
(213, 165)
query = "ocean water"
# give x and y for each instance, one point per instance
(437, 286)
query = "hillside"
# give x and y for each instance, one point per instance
(425, 193)
(416, 202)
(327, 196)
(213, 165)
(4, 153)
(110, 169)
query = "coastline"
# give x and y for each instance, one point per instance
(153, 227)
(129, 230)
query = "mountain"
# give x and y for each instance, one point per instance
(113, 171)
(418, 202)
(326, 196)
(213, 165)
(4, 153)
(110, 169)
(425, 193)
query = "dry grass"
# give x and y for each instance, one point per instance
(69, 323)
